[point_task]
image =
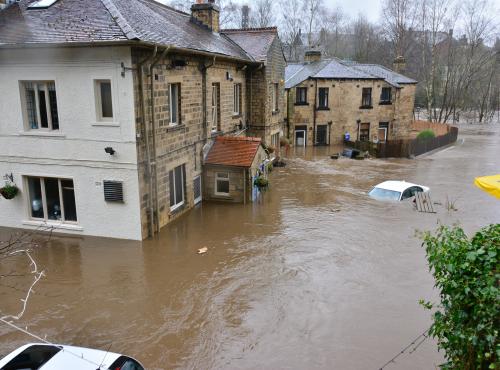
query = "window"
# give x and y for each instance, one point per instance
(411, 192)
(275, 98)
(216, 107)
(383, 131)
(323, 98)
(237, 100)
(52, 199)
(364, 132)
(40, 105)
(385, 95)
(275, 140)
(33, 357)
(41, 4)
(301, 95)
(104, 100)
(125, 363)
(366, 101)
(175, 103)
(177, 186)
(222, 183)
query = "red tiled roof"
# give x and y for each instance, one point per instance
(234, 151)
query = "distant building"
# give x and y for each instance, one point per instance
(110, 109)
(328, 99)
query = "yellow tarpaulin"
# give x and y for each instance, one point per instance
(490, 184)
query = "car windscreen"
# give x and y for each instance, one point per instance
(32, 357)
(380, 193)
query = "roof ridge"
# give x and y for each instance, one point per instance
(250, 29)
(168, 7)
(120, 20)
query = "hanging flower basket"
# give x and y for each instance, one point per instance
(9, 191)
(261, 182)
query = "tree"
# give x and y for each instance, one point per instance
(312, 10)
(399, 17)
(16, 263)
(291, 24)
(263, 14)
(466, 271)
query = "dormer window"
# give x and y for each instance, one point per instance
(41, 4)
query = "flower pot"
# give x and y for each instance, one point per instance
(9, 191)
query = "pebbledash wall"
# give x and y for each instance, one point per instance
(76, 150)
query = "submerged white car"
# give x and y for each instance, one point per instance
(59, 357)
(396, 190)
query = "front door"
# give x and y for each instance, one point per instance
(300, 137)
(321, 135)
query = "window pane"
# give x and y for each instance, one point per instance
(106, 100)
(42, 107)
(52, 198)
(53, 106)
(179, 185)
(222, 175)
(31, 106)
(174, 103)
(223, 186)
(172, 188)
(35, 192)
(68, 191)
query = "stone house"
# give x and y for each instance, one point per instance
(231, 167)
(112, 108)
(328, 99)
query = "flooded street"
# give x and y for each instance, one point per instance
(316, 275)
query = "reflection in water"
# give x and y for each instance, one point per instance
(314, 275)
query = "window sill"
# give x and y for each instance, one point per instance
(236, 115)
(176, 209)
(222, 197)
(106, 123)
(51, 224)
(275, 112)
(366, 107)
(42, 133)
(322, 108)
(301, 104)
(174, 128)
(385, 103)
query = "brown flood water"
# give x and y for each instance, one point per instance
(314, 276)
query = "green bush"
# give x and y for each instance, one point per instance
(426, 134)
(467, 275)
(261, 182)
(9, 191)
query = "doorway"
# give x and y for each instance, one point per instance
(322, 135)
(300, 135)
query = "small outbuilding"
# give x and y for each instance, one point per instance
(231, 167)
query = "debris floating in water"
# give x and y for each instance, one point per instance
(203, 250)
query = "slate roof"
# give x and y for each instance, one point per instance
(234, 151)
(255, 41)
(337, 69)
(95, 21)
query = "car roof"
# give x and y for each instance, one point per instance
(399, 186)
(70, 357)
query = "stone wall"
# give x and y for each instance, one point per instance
(236, 183)
(264, 122)
(344, 112)
(181, 144)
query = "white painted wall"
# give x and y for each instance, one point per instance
(76, 150)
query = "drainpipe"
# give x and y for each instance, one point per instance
(314, 111)
(153, 131)
(146, 134)
(203, 69)
(244, 186)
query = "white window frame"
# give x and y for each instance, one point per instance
(98, 100)
(177, 103)
(45, 85)
(44, 199)
(236, 99)
(222, 178)
(181, 203)
(215, 107)
(275, 97)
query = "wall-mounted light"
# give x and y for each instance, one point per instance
(110, 150)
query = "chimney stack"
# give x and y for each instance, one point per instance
(399, 64)
(245, 16)
(206, 13)
(312, 56)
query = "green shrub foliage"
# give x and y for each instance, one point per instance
(467, 320)
(426, 134)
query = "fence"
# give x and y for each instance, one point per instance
(406, 148)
